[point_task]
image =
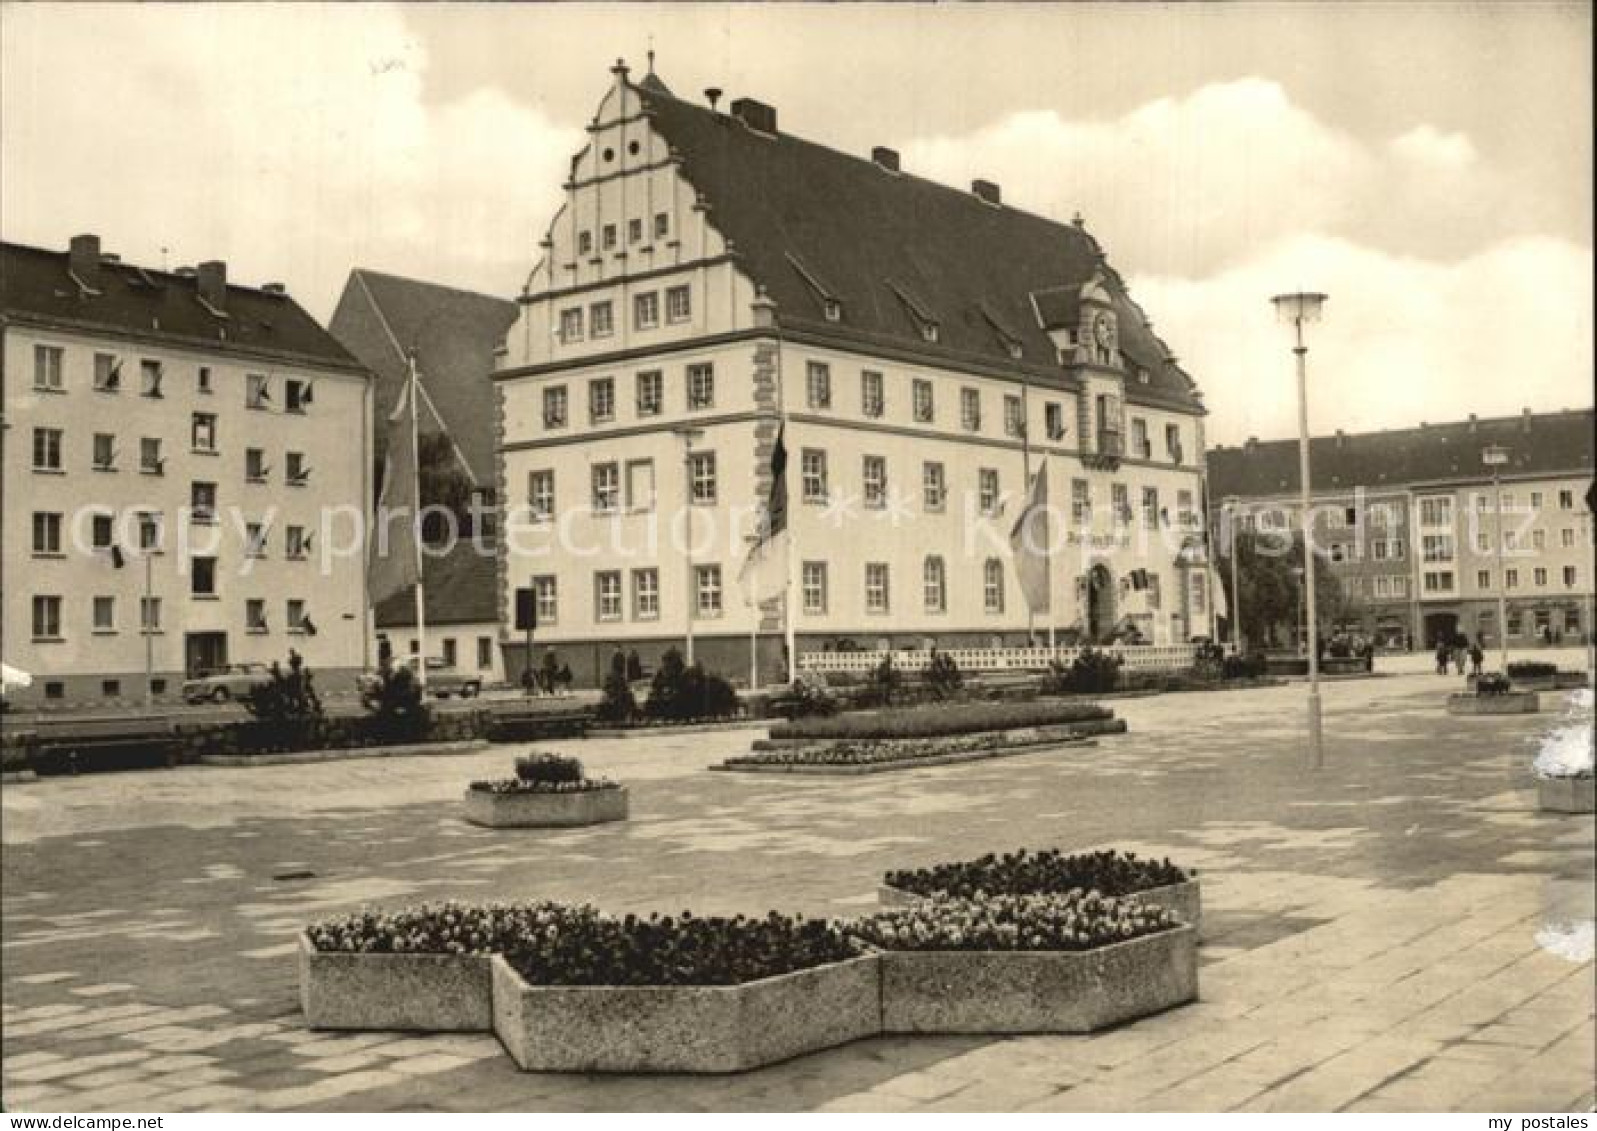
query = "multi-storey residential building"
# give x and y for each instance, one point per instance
(1408, 518)
(711, 280)
(181, 459)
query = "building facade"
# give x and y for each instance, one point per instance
(1409, 520)
(182, 457)
(711, 282)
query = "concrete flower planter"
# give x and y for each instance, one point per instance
(1185, 899)
(1037, 991)
(1534, 682)
(694, 1029)
(429, 993)
(545, 810)
(1566, 795)
(1509, 703)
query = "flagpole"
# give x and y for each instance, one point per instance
(1025, 483)
(789, 634)
(415, 461)
(149, 633)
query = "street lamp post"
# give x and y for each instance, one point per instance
(688, 435)
(1298, 309)
(1495, 457)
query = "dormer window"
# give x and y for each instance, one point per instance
(928, 331)
(833, 310)
(584, 242)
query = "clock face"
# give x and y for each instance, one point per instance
(1103, 329)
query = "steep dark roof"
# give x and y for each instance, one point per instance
(454, 333)
(460, 588)
(1554, 443)
(160, 305)
(884, 244)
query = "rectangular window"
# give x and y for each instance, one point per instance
(450, 654)
(202, 432)
(295, 544)
(606, 487)
(294, 618)
(257, 391)
(485, 652)
(934, 486)
(662, 225)
(651, 392)
(255, 469)
(1483, 578)
(202, 379)
(921, 401)
(105, 614)
(876, 582)
(1437, 547)
(1141, 446)
(708, 589)
(1397, 549)
(1120, 503)
(701, 385)
(47, 449)
(1571, 576)
(202, 577)
(607, 236)
(645, 594)
(297, 396)
(107, 373)
(149, 614)
(970, 410)
(873, 394)
(601, 319)
(635, 230)
(541, 495)
(1172, 443)
(1150, 507)
(1511, 579)
(1538, 539)
(254, 540)
(607, 595)
(934, 585)
(646, 310)
(1436, 511)
(554, 407)
(701, 473)
(1054, 420)
(150, 374)
(150, 531)
(1535, 502)
(678, 304)
(584, 242)
(100, 531)
(1014, 416)
(1080, 502)
(47, 618)
(1566, 500)
(875, 477)
(296, 472)
(1185, 515)
(150, 461)
(818, 384)
(640, 485)
(1566, 537)
(602, 400)
(1378, 549)
(47, 533)
(1539, 577)
(547, 595)
(202, 501)
(47, 367)
(813, 577)
(993, 585)
(812, 464)
(255, 615)
(104, 451)
(571, 325)
(987, 489)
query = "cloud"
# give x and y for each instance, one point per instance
(293, 141)
(1425, 145)
(1403, 339)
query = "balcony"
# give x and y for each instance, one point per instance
(1107, 452)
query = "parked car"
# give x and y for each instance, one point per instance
(231, 682)
(442, 680)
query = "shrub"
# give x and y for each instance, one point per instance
(874, 751)
(1243, 667)
(1492, 684)
(548, 768)
(617, 704)
(885, 684)
(1076, 920)
(395, 704)
(442, 928)
(930, 722)
(1035, 873)
(807, 698)
(680, 693)
(1531, 669)
(942, 675)
(286, 705)
(1092, 672)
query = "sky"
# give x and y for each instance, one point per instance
(1426, 165)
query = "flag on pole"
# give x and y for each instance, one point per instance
(764, 572)
(395, 558)
(1029, 543)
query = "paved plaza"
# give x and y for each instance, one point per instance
(1400, 930)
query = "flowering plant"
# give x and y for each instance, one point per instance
(442, 928)
(945, 719)
(521, 785)
(544, 767)
(1049, 871)
(1074, 921)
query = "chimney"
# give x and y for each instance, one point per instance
(83, 258)
(213, 284)
(1252, 445)
(755, 115)
(274, 288)
(185, 272)
(886, 158)
(110, 257)
(1341, 438)
(1472, 422)
(1524, 420)
(987, 191)
(712, 95)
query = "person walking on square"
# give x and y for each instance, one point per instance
(1459, 653)
(1476, 657)
(1441, 657)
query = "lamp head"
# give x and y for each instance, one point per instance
(1304, 306)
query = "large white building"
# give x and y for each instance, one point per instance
(178, 454)
(710, 279)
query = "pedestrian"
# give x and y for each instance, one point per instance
(1476, 658)
(1441, 657)
(1459, 654)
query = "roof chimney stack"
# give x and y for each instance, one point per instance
(212, 284)
(274, 288)
(886, 158)
(1524, 419)
(755, 115)
(987, 191)
(712, 95)
(1473, 423)
(1341, 438)
(83, 259)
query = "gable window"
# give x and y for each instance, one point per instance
(601, 319)
(678, 304)
(202, 501)
(813, 465)
(662, 225)
(814, 585)
(202, 577)
(921, 397)
(47, 449)
(934, 486)
(646, 310)
(295, 470)
(571, 325)
(701, 472)
(47, 534)
(606, 487)
(584, 242)
(993, 585)
(934, 585)
(651, 392)
(107, 373)
(47, 367)
(602, 400)
(150, 461)
(104, 451)
(818, 384)
(541, 495)
(150, 373)
(970, 410)
(987, 489)
(876, 587)
(875, 478)
(707, 590)
(701, 385)
(202, 432)
(554, 407)
(873, 398)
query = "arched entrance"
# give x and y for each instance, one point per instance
(1100, 602)
(1440, 628)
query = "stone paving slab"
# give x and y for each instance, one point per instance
(1398, 931)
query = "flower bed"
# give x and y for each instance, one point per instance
(873, 755)
(951, 719)
(1029, 964)
(1494, 703)
(1157, 883)
(682, 994)
(548, 791)
(423, 969)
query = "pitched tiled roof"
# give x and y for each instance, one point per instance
(454, 334)
(461, 587)
(885, 243)
(35, 284)
(1554, 443)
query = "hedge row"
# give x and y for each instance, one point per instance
(953, 718)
